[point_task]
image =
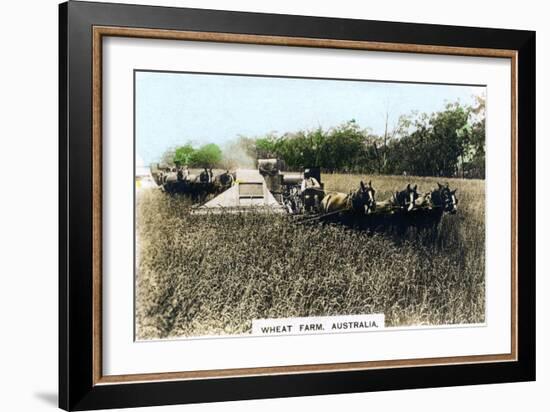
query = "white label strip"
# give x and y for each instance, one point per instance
(316, 325)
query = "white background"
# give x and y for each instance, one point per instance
(28, 213)
(123, 356)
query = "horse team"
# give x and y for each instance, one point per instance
(404, 209)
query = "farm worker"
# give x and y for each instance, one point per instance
(204, 177)
(185, 173)
(309, 182)
(310, 189)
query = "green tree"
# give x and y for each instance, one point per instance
(450, 142)
(343, 147)
(183, 154)
(438, 145)
(476, 161)
(208, 155)
(265, 147)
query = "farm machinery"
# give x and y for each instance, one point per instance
(197, 185)
(302, 194)
(266, 188)
(299, 193)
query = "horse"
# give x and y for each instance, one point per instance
(224, 180)
(445, 198)
(361, 201)
(406, 199)
(425, 216)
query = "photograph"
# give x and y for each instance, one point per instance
(261, 205)
(272, 205)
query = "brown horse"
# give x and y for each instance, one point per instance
(406, 199)
(360, 201)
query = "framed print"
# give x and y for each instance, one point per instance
(257, 205)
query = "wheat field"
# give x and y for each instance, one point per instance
(201, 275)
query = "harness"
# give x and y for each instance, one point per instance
(352, 196)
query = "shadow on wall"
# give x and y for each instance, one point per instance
(49, 398)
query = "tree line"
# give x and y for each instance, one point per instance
(447, 143)
(208, 155)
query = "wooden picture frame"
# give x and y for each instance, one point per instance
(83, 26)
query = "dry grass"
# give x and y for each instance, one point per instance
(206, 275)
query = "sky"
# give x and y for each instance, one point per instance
(172, 109)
